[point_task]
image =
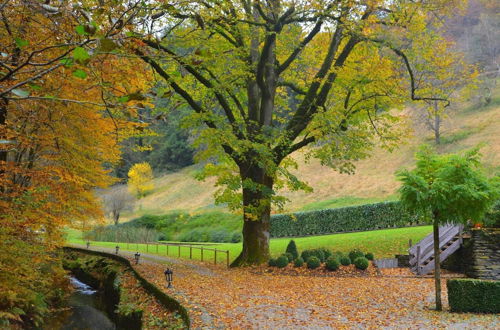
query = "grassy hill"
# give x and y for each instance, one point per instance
(374, 179)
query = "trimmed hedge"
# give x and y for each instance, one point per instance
(167, 301)
(471, 295)
(345, 219)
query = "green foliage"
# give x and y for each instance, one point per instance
(369, 256)
(332, 263)
(289, 257)
(282, 261)
(476, 296)
(169, 144)
(299, 262)
(354, 254)
(313, 262)
(354, 218)
(451, 188)
(271, 262)
(292, 249)
(207, 227)
(321, 253)
(492, 217)
(361, 263)
(345, 260)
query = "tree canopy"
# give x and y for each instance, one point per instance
(266, 79)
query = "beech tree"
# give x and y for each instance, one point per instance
(268, 78)
(447, 189)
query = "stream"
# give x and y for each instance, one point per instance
(86, 310)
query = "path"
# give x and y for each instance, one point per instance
(217, 297)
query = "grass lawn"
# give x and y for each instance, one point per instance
(383, 243)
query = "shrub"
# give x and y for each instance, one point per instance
(313, 262)
(292, 249)
(271, 262)
(361, 263)
(332, 263)
(318, 253)
(282, 261)
(289, 256)
(236, 237)
(369, 256)
(337, 254)
(345, 219)
(355, 254)
(492, 217)
(345, 260)
(299, 262)
(471, 295)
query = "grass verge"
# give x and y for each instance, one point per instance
(382, 243)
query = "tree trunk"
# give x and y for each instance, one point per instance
(116, 217)
(437, 129)
(256, 215)
(3, 119)
(437, 264)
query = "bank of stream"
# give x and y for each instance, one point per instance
(108, 295)
(86, 309)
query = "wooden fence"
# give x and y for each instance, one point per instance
(174, 249)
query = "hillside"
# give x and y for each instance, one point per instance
(374, 179)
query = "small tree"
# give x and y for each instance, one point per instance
(117, 200)
(447, 189)
(140, 176)
(292, 249)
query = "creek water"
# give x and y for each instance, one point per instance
(86, 310)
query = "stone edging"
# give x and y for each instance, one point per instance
(167, 301)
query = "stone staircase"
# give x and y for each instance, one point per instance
(422, 253)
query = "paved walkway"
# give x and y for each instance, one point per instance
(217, 297)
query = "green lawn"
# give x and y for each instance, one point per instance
(383, 243)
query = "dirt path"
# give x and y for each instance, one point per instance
(217, 297)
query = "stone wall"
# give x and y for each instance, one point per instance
(484, 262)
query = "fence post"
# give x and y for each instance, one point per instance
(147, 247)
(179, 251)
(215, 256)
(202, 253)
(156, 247)
(167, 249)
(410, 243)
(137, 246)
(190, 252)
(227, 253)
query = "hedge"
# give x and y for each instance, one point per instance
(345, 219)
(471, 295)
(167, 301)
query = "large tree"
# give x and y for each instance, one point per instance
(268, 78)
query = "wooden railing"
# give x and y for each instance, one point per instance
(174, 249)
(422, 253)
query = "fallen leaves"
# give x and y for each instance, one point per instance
(255, 298)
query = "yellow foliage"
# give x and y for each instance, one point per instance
(140, 179)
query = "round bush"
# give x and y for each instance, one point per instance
(282, 261)
(289, 256)
(313, 262)
(332, 263)
(299, 262)
(354, 254)
(369, 256)
(345, 261)
(318, 253)
(271, 262)
(361, 263)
